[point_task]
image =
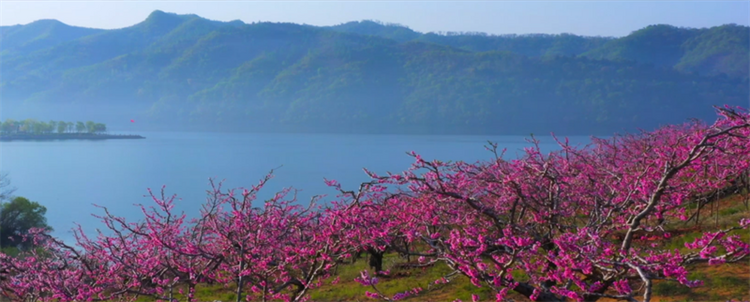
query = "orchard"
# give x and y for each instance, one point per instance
(580, 224)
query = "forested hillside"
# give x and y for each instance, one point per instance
(183, 72)
(529, 45)
(21, 39)
(721, 50)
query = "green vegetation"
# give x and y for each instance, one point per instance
(38, 35)
(18, 215)
(721, 50)
(32, 126)
(532, 45)
(184, 72)
(667, 289)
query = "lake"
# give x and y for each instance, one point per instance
(69, 176)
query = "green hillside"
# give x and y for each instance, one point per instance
(19, 39)
(183, 72)
(719, 50)
(713, 51)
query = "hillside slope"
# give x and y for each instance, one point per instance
(183, 72)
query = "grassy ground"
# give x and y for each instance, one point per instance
(721, 283)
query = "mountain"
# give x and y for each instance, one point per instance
(19, 39)
(716, 51)
(708, 51)
(184, 72)
(660, 45)
(533, 45)
(529, 45)
(396, 32)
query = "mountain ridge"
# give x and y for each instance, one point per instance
(180, 71)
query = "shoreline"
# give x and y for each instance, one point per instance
(66, 136)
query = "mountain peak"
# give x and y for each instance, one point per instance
(157, 14)
(163, 21)
(393, 31)
(47, 23)
(160, 16)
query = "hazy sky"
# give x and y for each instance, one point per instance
(605, 18)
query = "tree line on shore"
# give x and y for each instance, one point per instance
(579, 223)
(32, 126)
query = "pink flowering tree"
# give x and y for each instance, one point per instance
(368, 225)
(157, 256)
(53, 271)
(575, 222)
(279, 250)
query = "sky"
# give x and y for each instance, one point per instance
(589, 18)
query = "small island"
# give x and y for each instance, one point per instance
(31, 129)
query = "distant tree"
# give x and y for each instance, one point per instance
(9, 126)
(52, 126)
(42, 127)
(61, 127)
(32, 126)
(90, 127)
(17, 217)
(80, 127)
(28, 126)
(100, 128)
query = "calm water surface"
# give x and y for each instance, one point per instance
(68, 177)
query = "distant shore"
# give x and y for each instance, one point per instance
(64, 136)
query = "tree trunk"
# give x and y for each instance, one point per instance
(240, 278)
(376, 259)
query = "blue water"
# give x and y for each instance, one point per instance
(68, 177)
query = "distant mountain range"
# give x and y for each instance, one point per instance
(183, 72)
